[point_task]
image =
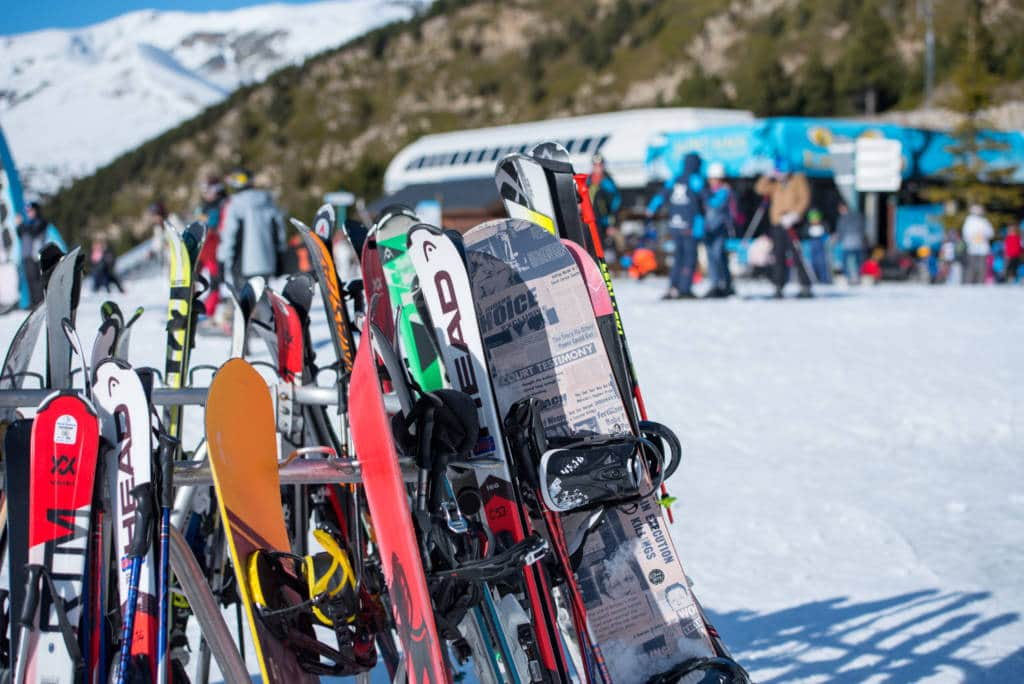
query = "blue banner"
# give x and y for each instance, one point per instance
(918, 225)
(748, 150)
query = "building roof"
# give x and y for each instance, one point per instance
(621, 137)
(455, 195)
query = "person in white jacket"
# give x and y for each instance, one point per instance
(977, 233)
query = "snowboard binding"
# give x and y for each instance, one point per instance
(327, 591)
(589, 472)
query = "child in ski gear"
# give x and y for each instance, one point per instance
(977, 233)
(211, 212)
(103, 261)
(788, 195)
(1012, 253)
(684, 196)
(817, 235)
(252, 240)
(719, 227)
(606, 200)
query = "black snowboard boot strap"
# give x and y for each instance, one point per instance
(716, 671)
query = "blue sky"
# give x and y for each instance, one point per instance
(19, 16)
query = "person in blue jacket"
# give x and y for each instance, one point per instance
(719, 226)
(606, 200)
(683, 196)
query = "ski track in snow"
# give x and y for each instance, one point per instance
(851, 499)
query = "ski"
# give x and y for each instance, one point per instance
(330, 290)
(125, 421)
(183, 249)
(61, 301)
(390, 234)
(65, 444)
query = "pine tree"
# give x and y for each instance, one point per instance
(970, 179)
(869, 71)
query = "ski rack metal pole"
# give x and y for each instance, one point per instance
(302, 471)
(204, 607)
(188, 396)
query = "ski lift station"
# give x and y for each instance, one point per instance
(456, 169)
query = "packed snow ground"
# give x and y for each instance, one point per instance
(851, 501)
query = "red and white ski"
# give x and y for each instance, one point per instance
(65, 443)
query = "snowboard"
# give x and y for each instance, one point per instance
(389, 508)
(243, 458)
(125, 424)
(542, 340)
(65, 445)
(17, 483)
(447, 294)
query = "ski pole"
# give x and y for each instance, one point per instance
(168, 448)
(142, 540)
(27, 621)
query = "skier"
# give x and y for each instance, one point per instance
(684, 194)
(211, 212)
(606, 200)
(851, 237)
(818, 237)
(32, 234)
(252, 239)
(719, 226)
(977, 233)
(1012, 252)
(789, 195)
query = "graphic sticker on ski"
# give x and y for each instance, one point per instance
(543, 341)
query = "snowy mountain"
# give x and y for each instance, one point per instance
(72, 100)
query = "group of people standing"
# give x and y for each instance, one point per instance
(702, 207)
(698, 209)
(975, 254)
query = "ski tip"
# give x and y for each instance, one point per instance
(550, 150)
(302, 227)
(325, 221)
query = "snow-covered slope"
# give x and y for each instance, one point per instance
(72, 100)
(851, 499)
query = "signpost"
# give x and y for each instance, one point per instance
(878, 166)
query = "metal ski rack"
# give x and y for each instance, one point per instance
(204, 606)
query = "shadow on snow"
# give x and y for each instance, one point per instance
(899, 639)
